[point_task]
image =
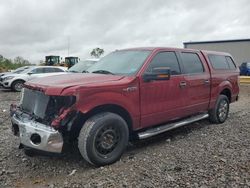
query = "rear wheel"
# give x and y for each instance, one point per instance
(17, 85)
(103, 138)
(220, 113)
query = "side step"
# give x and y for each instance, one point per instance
(163, 128)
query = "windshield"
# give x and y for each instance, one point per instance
(27, 70)
(82, 66)
(19, 70)
(125, 62)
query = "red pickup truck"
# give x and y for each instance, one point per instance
(128, 94)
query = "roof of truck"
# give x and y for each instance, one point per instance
(176, 49)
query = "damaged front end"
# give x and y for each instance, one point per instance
(40, 119)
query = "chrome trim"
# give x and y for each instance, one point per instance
(157, 130)
(51, 139)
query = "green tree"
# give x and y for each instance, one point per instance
(8, 64)
(97, 52)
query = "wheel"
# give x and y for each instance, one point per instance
(103, 138)
(17, 85)
(220, 113)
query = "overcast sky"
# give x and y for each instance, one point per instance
(35, 28)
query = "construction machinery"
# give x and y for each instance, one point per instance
(52, 60)
(70, 61)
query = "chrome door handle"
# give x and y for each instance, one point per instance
(183, 84)
(206, 81)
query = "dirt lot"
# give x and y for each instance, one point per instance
(197, 155)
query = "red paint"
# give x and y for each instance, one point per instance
(148, 103)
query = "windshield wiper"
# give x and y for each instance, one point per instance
(84, 71)
(103, 72)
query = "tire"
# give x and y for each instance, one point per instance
(103, 138)
(17, 85)
(220, 113)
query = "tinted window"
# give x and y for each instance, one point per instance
(48, 70)
(38, 70)
(57, 70)
(192, 63)
(218, 62)
(230, 62)
(165, 59)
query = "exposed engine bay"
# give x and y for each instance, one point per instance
(45, 109)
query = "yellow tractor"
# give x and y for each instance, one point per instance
(53, 60)
(70, 61)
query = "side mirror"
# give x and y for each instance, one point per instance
(158, 73)
(29, 73)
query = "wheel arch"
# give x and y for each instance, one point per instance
(113, 108)
(227, 92)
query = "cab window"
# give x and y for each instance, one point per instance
(191, 63)
(165, 59)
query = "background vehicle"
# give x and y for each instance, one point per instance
(82, 66)
(245, 69)
(71, 61)
(52, 60)
(132, 93)
(18, 70)
(16, 80)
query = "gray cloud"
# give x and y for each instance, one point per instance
(33, 29)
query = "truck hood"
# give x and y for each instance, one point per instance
(55, 85)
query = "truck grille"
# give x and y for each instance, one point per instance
(34, 102)
(44, 108)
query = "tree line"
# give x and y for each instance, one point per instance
(9, 64)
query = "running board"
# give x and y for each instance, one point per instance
(157, 130)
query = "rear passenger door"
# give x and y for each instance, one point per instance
(196, 84)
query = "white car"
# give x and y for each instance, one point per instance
(15, 81)
(18, 70)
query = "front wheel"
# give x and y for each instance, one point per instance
(220, 113)
(103, 138)
(17, 85)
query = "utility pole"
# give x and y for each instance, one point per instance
(68, 44)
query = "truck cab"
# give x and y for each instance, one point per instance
(129, 94)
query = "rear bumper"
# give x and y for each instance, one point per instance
(36, 135)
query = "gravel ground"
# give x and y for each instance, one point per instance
(197, 155)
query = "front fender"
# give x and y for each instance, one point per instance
(130, 102)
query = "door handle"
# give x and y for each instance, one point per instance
(206, 81)
(183, 84)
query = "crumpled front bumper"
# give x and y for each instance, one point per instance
(36, 135)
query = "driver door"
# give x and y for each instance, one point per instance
(162, 100)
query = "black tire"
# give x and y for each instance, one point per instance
(220, 113)
(17, 85)
(103, 138)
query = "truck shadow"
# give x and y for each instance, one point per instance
(73, 157)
